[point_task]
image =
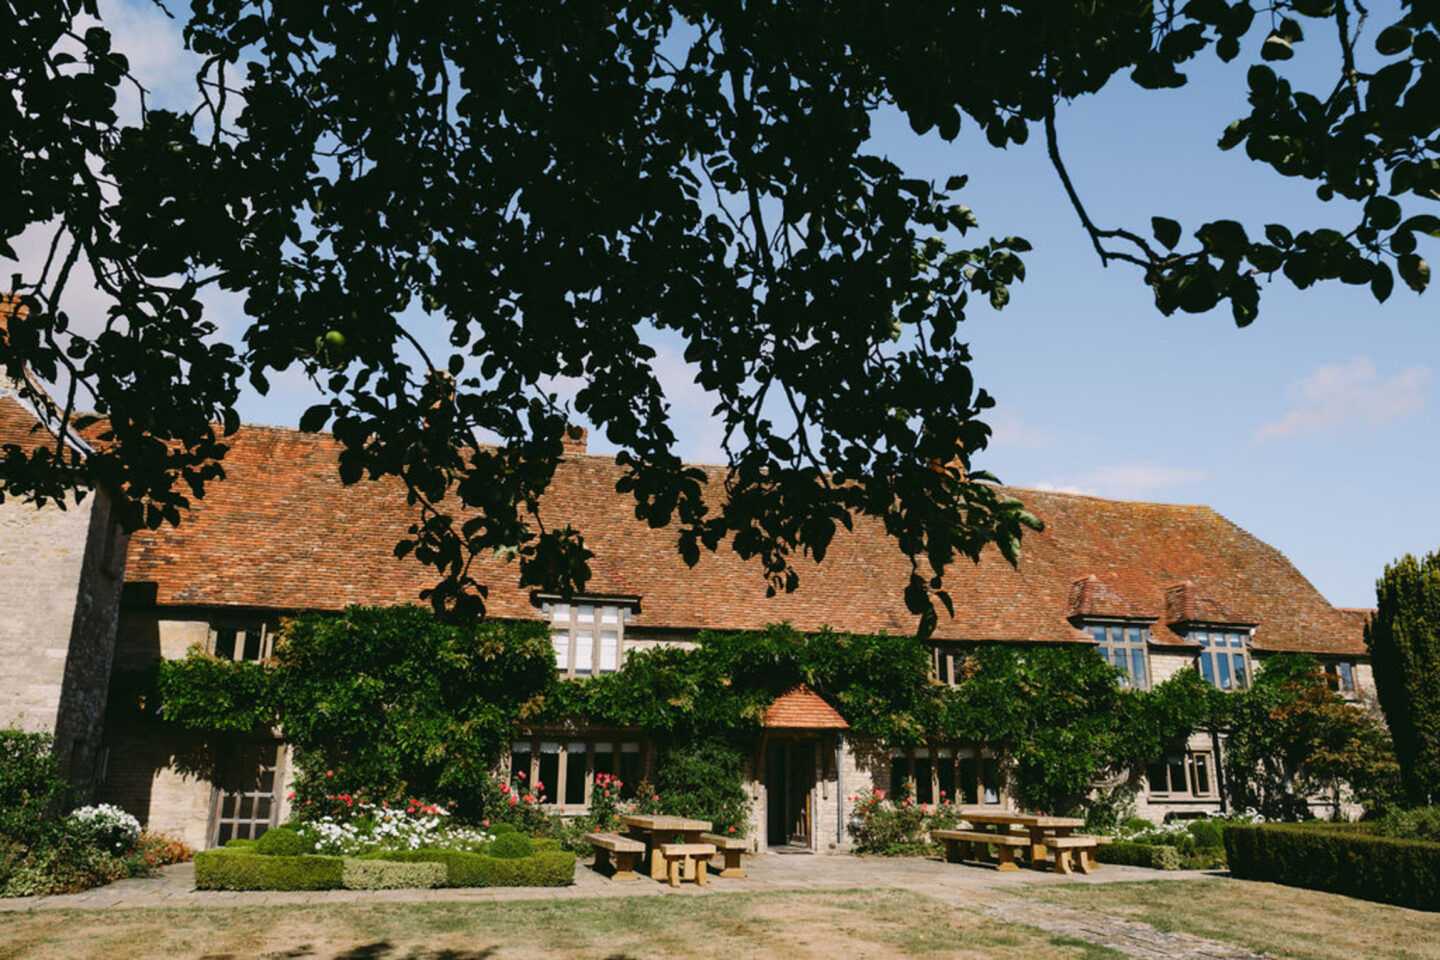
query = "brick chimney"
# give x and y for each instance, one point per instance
(573, 440)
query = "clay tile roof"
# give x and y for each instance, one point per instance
(802, 709)
(1092, 597)
(282, 533)
(1184, 604)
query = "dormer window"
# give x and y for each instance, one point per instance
(1125, 646)
(588, 636)
(1224, 657)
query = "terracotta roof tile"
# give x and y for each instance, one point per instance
(802, 709)
(1092, 597)
(283, 533)
(1184, 604)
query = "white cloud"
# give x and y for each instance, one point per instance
(1124, 481)
(1337, 394)
(1011, 432)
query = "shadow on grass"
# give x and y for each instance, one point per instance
(380, 950)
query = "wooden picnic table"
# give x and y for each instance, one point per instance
(1036, 826)
(655, 829)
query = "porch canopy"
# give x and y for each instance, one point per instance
(801, 708)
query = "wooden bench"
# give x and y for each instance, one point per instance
(1080, 849)
(731, 848)
(616, 854)
(960, 843)
(676, 855)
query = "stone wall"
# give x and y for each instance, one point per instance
(62, 571)
(160, 773)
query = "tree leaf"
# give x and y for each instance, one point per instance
(1167, 231)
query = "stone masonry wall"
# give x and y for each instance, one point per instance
(158, 772)
(62, 571)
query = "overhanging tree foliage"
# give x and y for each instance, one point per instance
(1404, 641)
(434, 209)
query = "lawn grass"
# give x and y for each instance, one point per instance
(782, 925)
(1281, 921)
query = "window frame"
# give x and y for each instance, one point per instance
(1107, 646)
(1190, 762)
(1340, 677)
(621, 745)
(564, 617)
(242, 630)
(1216, 656)
(985, 762)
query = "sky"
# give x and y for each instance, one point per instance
(1315, 428)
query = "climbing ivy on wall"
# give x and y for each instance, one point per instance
(398, 701)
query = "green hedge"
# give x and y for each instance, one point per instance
(1155, 856)
(1320, 857)
(240, 868)
(547, 868)
(391, 875)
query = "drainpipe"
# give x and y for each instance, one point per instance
(840, 788)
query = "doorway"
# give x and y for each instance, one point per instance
(789, 787)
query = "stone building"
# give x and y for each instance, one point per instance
(62, 568)
(1154, 588)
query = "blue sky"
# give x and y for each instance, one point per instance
(1314, 428)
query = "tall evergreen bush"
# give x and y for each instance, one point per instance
(1404, 641)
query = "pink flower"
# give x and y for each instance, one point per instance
(329, 773)
(512, 799)
(521, 776)
(539, 785)
(656, 798)
(289, 796)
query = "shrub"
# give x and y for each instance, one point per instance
(31, 788)
(107, 827)
(160, 849)
(1349, 862)
(362, 874)
(282, 842)
(242, 869)
(510, 846)
(881, 826)
(67, 863)
(1207, 834)
(500, 829)
(706, 781)
(550, 868)
(239, 844)
(1421, 823)
(1151, 855)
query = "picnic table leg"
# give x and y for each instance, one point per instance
(624, 867)
(692, 836)
(1007, 858)
(602, 860)
(1062, 860)
(952, 851)
(657, 863)
(699, 870)
(1082, 861)
(1037, 849)
(675, 869)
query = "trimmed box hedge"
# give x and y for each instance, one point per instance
(546, 868)
(1153, 855)
(1350, 862)
(391, 874)
(240, 868)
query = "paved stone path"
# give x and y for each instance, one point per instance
(965, 887)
